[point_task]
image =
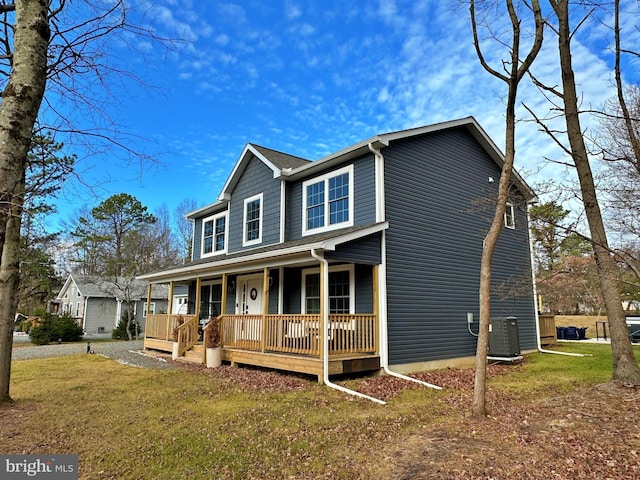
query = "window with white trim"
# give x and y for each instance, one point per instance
(341, 290)
(252, 224)
(151, 311)
(214, 234)
(510, 216)
(327, 201)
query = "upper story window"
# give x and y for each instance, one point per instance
(510, 216)
(252, 230)
(328, 201)
(214, 234)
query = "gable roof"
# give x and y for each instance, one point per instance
(283, 161)
(279, 163)
(385, 139)
(291, 167)
(94, 286)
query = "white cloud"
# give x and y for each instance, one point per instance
(292, 10)
(232, 13)
(221, 39)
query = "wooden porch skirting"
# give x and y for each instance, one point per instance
(338, 364)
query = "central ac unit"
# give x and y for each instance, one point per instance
(504, 340)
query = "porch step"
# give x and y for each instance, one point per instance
(194, 355)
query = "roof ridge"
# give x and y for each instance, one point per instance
(261, 147)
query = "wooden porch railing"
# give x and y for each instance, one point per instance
(299, 334)
(187, 335)
(160, 325)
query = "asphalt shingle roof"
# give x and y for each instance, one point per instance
(280, 159)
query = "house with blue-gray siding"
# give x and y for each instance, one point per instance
(367, 259)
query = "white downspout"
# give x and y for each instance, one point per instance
(535, 296)
(325, 335)
(118, 312)
(382, 277)
(84, 314)
(379, 182)
(384, 343)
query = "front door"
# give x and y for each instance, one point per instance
(249, 301)
(249, 293)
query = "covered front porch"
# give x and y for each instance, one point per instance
(286, 341)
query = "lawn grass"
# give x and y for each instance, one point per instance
(131, 423)
(547, 373)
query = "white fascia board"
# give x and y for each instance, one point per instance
(186, 273)
(236, 173)
(478, 133)
(219, 205)
(276, 171)
(378, 141)
(332, 243)
(65, 287)
(270, 258)
(412, 132)
(336, 158)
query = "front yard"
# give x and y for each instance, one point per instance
(552, 417)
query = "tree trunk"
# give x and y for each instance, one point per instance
(18, 112)
(516, 70)
(625, 368)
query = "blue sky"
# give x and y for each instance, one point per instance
(307, 78)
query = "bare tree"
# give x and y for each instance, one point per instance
(512, 71)
(184, 226)
(620, 142)
(21, 99)
(154, 246)
(44, 45)
(630, 117)
(625, 368)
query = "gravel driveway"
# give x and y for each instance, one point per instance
(127, 353)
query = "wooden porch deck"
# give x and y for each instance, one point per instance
(282, 342)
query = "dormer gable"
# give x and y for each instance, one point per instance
(278, 162)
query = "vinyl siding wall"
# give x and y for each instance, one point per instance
(434, 189)
(101, 312)
(256, 178)
(364, 206)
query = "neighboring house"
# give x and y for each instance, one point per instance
(374, 249)
(98, 303)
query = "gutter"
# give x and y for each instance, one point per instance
(325, 334)
(535, 305)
